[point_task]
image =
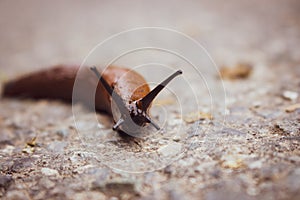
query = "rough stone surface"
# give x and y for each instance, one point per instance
(253, 154)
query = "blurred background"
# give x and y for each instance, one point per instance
(37, 34)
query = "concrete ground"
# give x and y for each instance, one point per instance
(253, 154)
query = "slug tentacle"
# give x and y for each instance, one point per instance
(115, 96)
(147, 100)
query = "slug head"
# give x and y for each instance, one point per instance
(135, 115)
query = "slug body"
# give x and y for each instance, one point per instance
(120, 92)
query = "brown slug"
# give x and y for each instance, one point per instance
(120, 92)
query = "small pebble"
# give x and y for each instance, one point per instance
(256, 104)
(176, 138)
(290, 95)
(293, 107)
(49, 172)
(238, 71)
(28, 150)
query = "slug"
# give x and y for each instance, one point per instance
(120, 92)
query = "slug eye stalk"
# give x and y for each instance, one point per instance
(137, 113)
(147, 100)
